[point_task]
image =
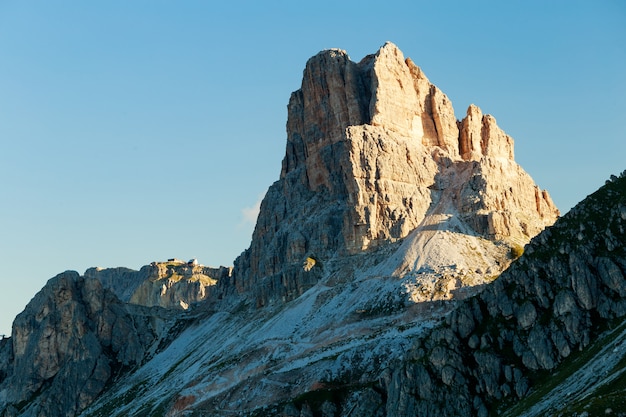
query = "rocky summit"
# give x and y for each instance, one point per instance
(390, 274)
(375, 155)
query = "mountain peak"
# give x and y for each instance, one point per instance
(373, 152)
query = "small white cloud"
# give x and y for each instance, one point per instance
(250, 214)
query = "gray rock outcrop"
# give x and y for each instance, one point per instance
(122, 281)
(72, 339)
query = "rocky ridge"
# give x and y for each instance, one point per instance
(80, 333)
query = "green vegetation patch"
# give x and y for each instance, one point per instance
(516, 251)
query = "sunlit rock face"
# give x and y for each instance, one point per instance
(373, 150)
(172, 284)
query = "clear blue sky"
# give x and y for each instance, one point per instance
(135, 131)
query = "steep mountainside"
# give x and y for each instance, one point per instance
(546, 337)
(373, 285)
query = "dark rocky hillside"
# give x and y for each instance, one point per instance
(547, 336)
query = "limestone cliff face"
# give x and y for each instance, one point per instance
(373, 148)
(69, 342)
(165, 284)
(176, 285)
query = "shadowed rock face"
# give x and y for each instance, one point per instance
(71, 339)
(373, 148)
